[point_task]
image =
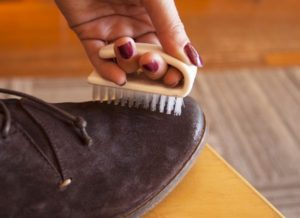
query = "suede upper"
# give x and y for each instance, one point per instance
(135, 154)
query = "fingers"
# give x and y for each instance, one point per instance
(128, 61)
(106, 68)
(171, 32)
(126, 55)
(172, 77)
(155, 67)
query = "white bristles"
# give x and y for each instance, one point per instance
(124, 98)
(162, 103)
(103, 94)
(130, 96)
(119, 95)
(170, 104)
(96, 92)
(111, 95)
(147, 100)
(138, 99)
(178, 106)
(155, 99)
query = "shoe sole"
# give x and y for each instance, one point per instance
(175, 181)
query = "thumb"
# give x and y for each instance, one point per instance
(170, 31)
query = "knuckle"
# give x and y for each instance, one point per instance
(174, 29)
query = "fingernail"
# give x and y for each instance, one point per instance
(124, 83)
(151, 67)
(193, 55)
(126, 50)
(174, 84)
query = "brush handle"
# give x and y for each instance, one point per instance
(188, 72)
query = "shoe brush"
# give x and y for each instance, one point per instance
(141, 92)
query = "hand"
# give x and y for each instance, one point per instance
(98, 22)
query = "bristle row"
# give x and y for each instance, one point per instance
(154, 102)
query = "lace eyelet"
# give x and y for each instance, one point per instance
(65, 183)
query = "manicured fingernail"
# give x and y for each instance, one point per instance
(126, 50)
(193, 55)
(151, 67)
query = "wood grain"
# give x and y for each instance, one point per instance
(254, 123)
(35, 39)
(213, 189)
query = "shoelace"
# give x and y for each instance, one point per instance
(77, 121)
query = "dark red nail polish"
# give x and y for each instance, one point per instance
(151, 67)
(126, 50)
(193, 55)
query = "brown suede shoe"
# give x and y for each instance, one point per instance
(91, 159)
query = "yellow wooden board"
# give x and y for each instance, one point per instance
(213, 189)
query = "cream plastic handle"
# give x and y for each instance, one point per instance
(188, 71)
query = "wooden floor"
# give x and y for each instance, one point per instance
(253, 118)
(35, 39)
(255, 124)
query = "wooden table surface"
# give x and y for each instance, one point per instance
(213, 189)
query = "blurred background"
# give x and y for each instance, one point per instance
(249, 87)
